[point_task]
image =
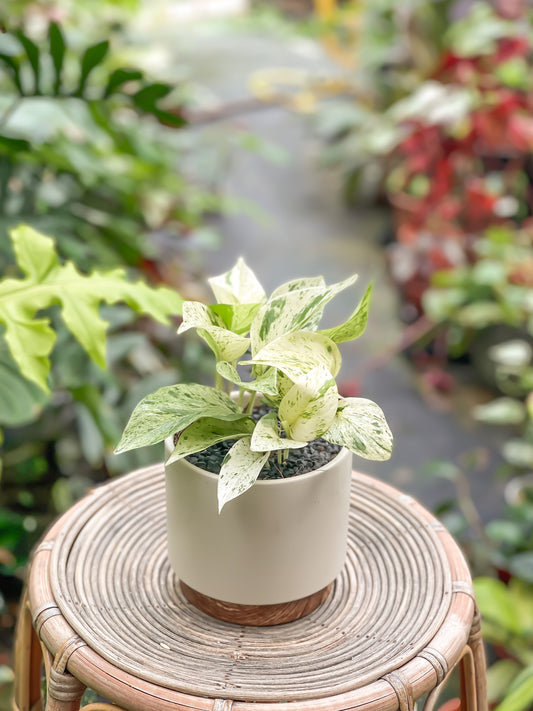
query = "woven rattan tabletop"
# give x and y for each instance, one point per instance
(403, 602)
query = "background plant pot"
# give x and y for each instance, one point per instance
(282, 540)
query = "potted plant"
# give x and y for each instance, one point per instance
(261, 536)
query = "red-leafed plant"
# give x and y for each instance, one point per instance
(455, 174)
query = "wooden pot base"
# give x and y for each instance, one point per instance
(256, 615)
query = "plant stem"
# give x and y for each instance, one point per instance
(280, 457)
(251, 404)
(219, 383)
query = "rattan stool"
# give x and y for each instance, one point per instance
(104, 610)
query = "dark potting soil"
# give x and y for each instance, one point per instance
(314, 455)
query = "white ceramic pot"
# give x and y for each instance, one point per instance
(282, 540)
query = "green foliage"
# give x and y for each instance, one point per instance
(48, 282)
(292, 362)
(89, 151)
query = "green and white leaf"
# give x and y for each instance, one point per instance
(48, 282)
(355, 325)
(237, 317)
(292, 311)
(297, 353)
(361, 427)
(239, 285)
(309, 407)
(239, 471)
(208, 431)
(171, 409)
(298, 285)
(266, 436)
(225, 344)
(501, 411)
(265, 383)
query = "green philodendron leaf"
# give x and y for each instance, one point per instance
(519, 696)
(297, 353)
(118, 78)
(237, 317)
(361, 427)
(496, 604)
(499, 678)
(239, 285)
(32, 52)
(239, 471)
(265, 383)
(57, 52)
(225, 344)
(291, 311)
(207, 431)
(48, 282)
(501, 411)
(20, 400)
(267, 438)
(518, 452)
(92, 57)
(171, 409)
(355, 325)
(309, 407)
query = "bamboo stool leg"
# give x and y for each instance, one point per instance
(28, 662)
(478, 662)
(64, 691)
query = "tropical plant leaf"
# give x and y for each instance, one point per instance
(13, 69)
(20, 400)
(298, 285)
(237, 317)
(225, 344)
(32, 52)
(57, 52)
(519, 697)
(297, 353)
(309, 407)
(496, 604)
(361, 427)
(239, 471)
(267, 438)
(501, 411)
(120, 77)
(146, 100)
(92, 57)
(265, 383)
(48, 282)
(355, 325)
(294, 310)
(208, 431)
(171, 409)
(239, 285)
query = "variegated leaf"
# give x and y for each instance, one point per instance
(198, 315)
(225, 344)
(355, 325)
(292, 311)
(265, 383)
(360, 425)
(237, 317)
(239, 285)
(171, 409)
(309, 407)
(239, 471)
(297, 353)
(266, 436)
(208, 431)
(298, 284)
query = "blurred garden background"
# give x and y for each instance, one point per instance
(155, 141)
